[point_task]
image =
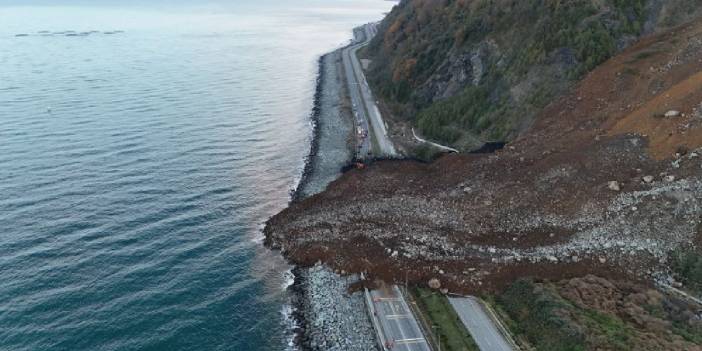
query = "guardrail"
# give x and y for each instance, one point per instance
(374, 321)
(495, 319)
(423, 323)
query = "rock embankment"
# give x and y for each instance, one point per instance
(332, 143)
(335, 319)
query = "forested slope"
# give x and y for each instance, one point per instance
(466, 71)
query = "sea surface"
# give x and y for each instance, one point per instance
(141, 149)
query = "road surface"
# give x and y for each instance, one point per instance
(365, 110)
(364, 148)
(479, 324)
(399, 328)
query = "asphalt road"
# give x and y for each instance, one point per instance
(400, 329)
(363, 136)
(366, 112)
(479, 325)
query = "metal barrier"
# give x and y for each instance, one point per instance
(371, 313)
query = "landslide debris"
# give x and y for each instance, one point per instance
(547, 204)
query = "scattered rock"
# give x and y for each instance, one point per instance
(648, 179)
(672, 113)
(434, 283)
(614, 185)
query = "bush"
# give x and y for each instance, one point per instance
(541, 316)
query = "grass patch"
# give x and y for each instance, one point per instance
(631, 71)
(452, 334)
(691, 334)
(644, 55)
(540, 316)
(617, 333)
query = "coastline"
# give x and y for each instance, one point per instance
(331, 149)
(296, 194)
(326, 315)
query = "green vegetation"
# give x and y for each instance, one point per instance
(688, 332)
(631, 71)
(615, 331)
(426, 152)
(539, 316)
(452, 333)
(443, 120)
(687, 266)
(644, 55)
(539, 47)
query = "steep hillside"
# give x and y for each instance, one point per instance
(607, 180)
(468, 71)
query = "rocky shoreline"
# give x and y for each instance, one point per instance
(332, 142)
(327, 315)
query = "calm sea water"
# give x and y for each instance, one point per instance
(137, 167)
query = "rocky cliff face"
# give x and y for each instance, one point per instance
(458, 69)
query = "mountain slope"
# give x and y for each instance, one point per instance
(469, 71)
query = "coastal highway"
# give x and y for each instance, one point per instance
(399, 328)
(364, 144)
(480, 326)
(365, 110)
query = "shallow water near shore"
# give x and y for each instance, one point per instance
(138, 161)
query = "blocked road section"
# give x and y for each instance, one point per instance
(480, 326)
